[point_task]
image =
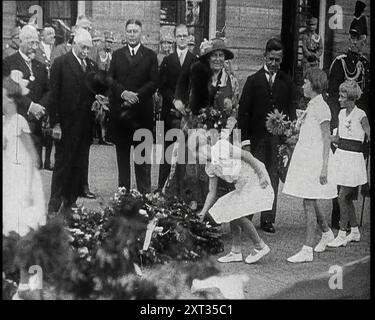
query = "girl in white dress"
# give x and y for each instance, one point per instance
(23, 197)
(253, 193)
(310, 173)
(349, 162)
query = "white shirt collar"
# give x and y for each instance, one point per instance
(267, 74)
(24, 57)
(47, 49)
(316, 100)
(134, 48)
(78, 59)
(184, 51)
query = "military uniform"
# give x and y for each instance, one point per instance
(9, 50)
(349, 66)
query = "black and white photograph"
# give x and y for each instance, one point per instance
(191, 150)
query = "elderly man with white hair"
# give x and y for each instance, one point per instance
(82, 22)
(33, 105)
(71, 120)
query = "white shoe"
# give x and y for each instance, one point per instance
(302, 256)
(325, 239)
(257, 254)
(16, 296)
(231, 257)
(338, 242)
(353, 237)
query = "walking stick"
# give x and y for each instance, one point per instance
(364, 196)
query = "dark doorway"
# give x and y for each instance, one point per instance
(195, 14)
(288, 36)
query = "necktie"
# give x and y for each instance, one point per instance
(181, 58)
(132, 52)
(270, 81)
(83, 64)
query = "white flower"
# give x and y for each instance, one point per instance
(83, 251)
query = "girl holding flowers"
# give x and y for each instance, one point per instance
(253, 191)
(349, 162)
(310, 173)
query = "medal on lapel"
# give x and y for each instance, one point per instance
(31, 78)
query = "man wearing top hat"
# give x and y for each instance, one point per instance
(13, 46)
(32, 106)
(352, 65)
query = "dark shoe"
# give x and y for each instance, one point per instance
(268, 227)
(335, 225)
(88, 195)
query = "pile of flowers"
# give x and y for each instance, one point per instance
(278, 124)
(96, 254)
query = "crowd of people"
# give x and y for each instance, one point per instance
(48, 97)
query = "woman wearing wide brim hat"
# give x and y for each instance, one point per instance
(217, 44)
(208, 84)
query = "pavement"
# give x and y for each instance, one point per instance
(272, 277)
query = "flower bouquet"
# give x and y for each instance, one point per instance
(279, 125)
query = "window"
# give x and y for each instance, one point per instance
(63, 10)
(193, 13)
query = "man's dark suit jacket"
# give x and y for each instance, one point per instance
(71, 102)
(71, 99)
(39, 88)
(170, 72)
(257, 100)
(138, 74)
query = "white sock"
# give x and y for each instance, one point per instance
(326, 234)
(342, 234)
(307, 248)
(354, 229)
(23, 286)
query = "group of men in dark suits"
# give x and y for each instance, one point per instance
(134, 78)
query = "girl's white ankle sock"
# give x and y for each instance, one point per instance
(23, 286)
(307, 248)
(342, 234)
(354, 229)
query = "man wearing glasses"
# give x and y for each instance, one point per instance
(171, 68)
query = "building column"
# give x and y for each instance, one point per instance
(322, 27)
(213, 19)
(81, 8)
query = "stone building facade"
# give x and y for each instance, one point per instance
(246, 24)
